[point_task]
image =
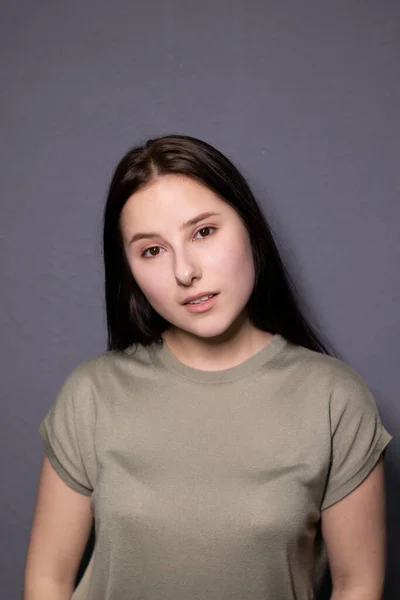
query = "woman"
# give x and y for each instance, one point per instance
(219, 447)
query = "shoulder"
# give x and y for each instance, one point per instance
(109, 367)
(329, 373)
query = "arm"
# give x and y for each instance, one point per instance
(355, 537)
(60, 530)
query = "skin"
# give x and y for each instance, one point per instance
(60, 530)
(203, 257)
(186, 262)
(354, 530)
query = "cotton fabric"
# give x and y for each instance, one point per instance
(210, 484)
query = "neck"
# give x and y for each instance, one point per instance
(219, 352)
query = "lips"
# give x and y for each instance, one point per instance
(202, 306)
(198, 296)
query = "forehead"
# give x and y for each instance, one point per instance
(175, 197)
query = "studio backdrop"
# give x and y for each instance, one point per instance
(302, 96)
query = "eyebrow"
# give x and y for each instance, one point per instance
(190, 223)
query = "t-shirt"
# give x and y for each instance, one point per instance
(210, 484)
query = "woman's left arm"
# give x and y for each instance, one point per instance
(354, 532)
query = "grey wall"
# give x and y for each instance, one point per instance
(303, 96)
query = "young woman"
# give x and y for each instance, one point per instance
(222, 451)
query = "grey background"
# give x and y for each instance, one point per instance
(303, 96)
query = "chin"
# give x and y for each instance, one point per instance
(209, 335)
(208, 328)
(202, 330)
(211, 331)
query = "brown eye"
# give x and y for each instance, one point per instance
(206, 230)
(153, 251)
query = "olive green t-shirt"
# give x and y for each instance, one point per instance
(209, 485)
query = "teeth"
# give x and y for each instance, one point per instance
(203, 299)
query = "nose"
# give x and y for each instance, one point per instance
(186, 268)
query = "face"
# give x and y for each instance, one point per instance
(175, 250)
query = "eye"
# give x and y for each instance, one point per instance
(204, 229)
(152, 255)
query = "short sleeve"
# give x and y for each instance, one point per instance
(67, 432)
(358, 436)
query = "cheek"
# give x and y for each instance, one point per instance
(153, 282)
(231, 260)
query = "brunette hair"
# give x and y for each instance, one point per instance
(131, 319)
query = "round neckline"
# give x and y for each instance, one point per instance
(165, 357)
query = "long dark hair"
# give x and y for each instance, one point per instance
(131, 319)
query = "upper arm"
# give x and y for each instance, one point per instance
(355, 537)
(61, 526)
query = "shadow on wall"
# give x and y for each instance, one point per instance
(392, 473)
(392, 583)
(86, 556)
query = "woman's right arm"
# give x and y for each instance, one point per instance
(60, 531)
